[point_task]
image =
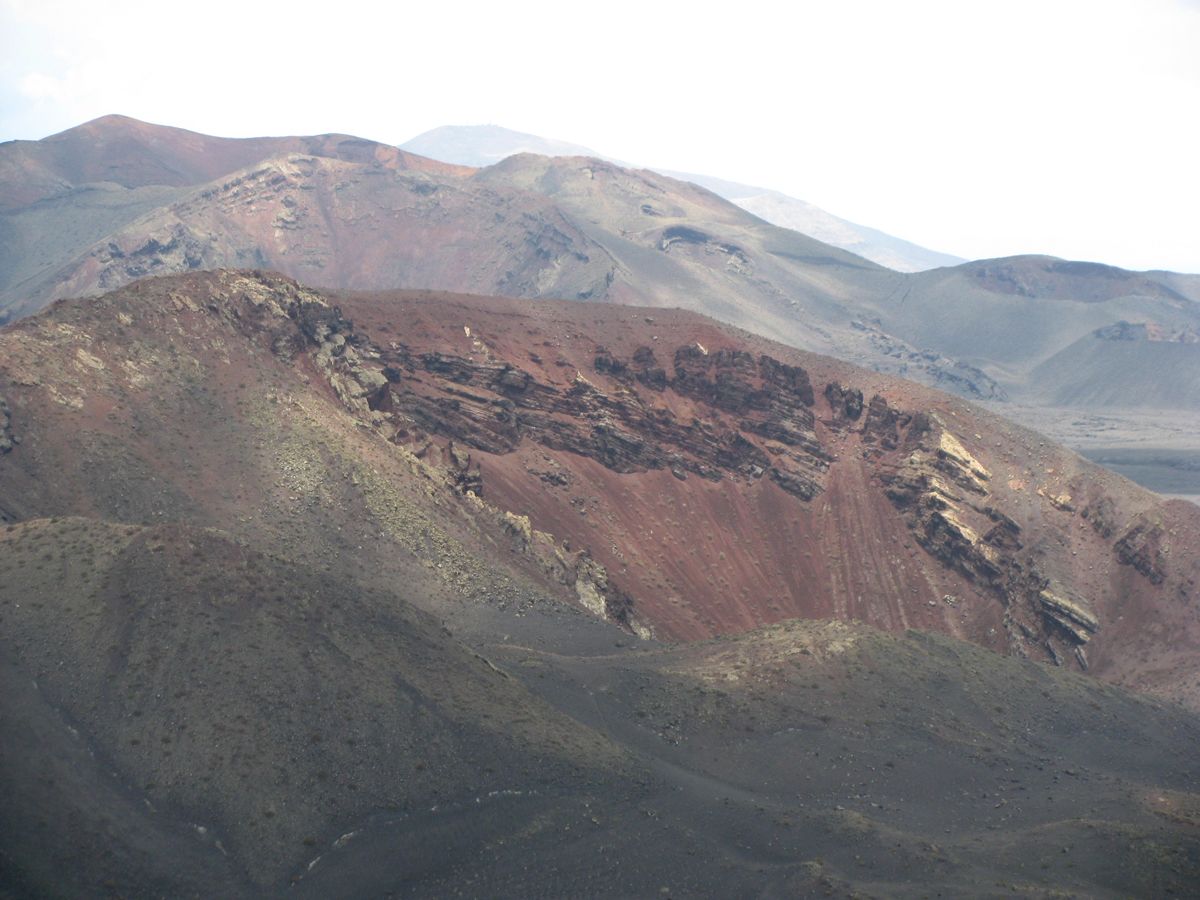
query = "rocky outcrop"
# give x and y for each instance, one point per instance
(1101, 515)
(686, 236)
(734, 381)
(943, 371)
(596, 592)
(945, 492)
(467, 477)
(1148, 331)
(646, 369)
(1142, 547)
(291, 319)
(884, 425)
(939, 484)
(761, 421)
(845, 404)
(1070, 614)
(175, 248)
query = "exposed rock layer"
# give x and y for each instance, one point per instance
(695, 480)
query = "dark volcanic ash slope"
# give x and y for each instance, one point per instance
(237, 693)
(190, 717)
(260, 635)
(678, 477)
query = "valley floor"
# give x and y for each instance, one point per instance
(1158, 449)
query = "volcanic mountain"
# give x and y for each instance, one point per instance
(310, 593)
(112, 201)
(70, 191)
(707, 480)
(486, 145)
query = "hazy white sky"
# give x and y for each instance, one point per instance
(980, 129)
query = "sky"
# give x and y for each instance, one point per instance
(978, 129)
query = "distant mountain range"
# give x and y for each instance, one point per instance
(310, 594)
(115, 200)
(485, 145)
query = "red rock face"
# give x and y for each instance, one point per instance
(683, 478)
(725, 482)
(132, 154)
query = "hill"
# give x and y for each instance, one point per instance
(366, 593)
(706, 480)
(486, 145)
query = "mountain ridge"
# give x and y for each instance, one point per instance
(485, 145)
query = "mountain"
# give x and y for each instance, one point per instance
(343, 212)
(66, 192)
(705, 479)
(132, 154)
(480, 146)
(530, 226)
(486, 145)
(317, 593)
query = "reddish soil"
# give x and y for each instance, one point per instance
(134, 154)
(704, 557)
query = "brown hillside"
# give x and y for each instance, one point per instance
(677, 476)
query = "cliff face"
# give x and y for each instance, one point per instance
(675, 476)
(722, 490)
(116, 200)
(757, 421)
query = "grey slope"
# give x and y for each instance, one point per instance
(485, 145)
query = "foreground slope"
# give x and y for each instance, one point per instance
(191, 717)
(234, 693)
(307, 595)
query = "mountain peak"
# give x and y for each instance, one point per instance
(485, 145)
(111, 120)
